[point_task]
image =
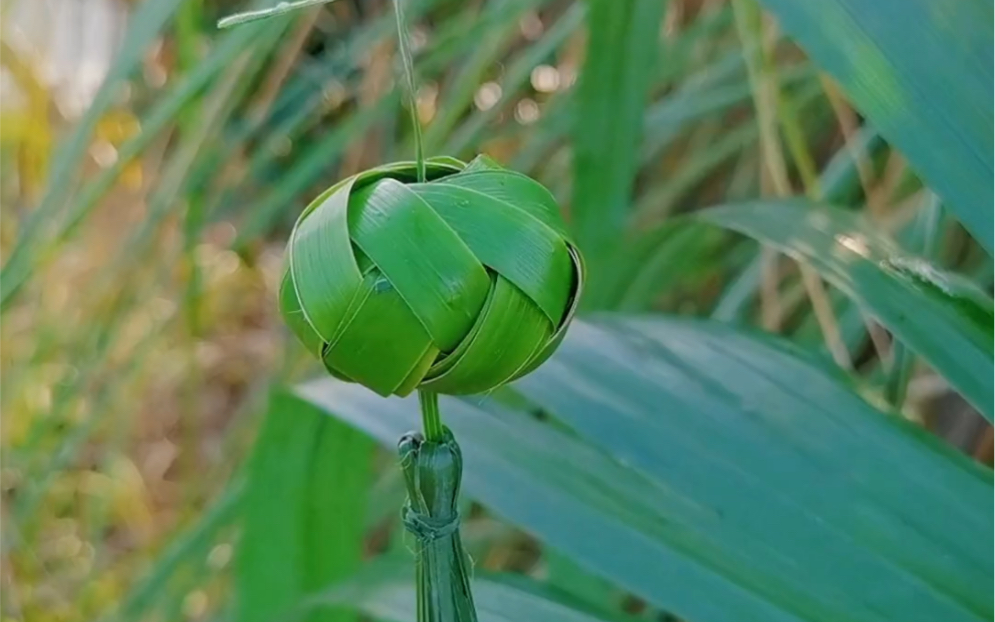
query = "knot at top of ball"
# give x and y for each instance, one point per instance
(456, 285)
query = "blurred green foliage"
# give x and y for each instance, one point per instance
(157, 464)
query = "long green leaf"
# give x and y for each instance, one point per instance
(921, 70)
(943, 317)
(722, 477)
(623, 44)
(304, 511)
(567, 575)
(385, 590)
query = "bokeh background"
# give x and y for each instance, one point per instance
(152, 166)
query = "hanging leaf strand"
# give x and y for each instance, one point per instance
(281, 8)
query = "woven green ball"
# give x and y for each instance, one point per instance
(456, 285)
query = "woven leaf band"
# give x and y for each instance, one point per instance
(456, 285)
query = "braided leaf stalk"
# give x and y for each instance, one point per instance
(432, 473)
(456, 284)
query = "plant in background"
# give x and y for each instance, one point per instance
(678, 460)
(436, 276)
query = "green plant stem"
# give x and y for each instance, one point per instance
(766, 98)
(431, 421)
(411, 94)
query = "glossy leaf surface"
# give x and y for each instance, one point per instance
(304, 511)
(721, 476)
(385, 591)
(921, 71)
(942, 316)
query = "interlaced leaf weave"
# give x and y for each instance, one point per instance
(456, 285)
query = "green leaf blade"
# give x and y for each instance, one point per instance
(321, 264)
(943, 317)
(757, 406)
(516, 190)
(710, 484)
(922, 72)
(385, 590)
(509, 331)
(304, 511)
(623, 45)
(508, 241)
(424, 259)
(374, 357)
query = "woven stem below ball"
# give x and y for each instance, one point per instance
(432, 472)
